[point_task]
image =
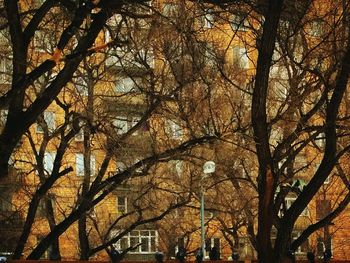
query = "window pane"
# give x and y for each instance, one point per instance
(121, 125)
(79, 159)
(240, 57)
(153, 244)
(133, 242)
(3, 116)
(92, 165)
(122, 204)
(124, 243)
(134, 233)
(49, 158)
(144, 245)
(126, 85)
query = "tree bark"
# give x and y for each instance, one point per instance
(266, 178)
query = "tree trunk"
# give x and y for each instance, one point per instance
(266, 178)
(88, 172)
(55, 253)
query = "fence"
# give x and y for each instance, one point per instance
(167, 261)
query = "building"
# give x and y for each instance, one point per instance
(125, 128)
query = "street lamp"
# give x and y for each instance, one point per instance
(208, 168)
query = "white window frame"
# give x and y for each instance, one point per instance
(122, 208)
(212, 244)
(208, 19)
(125, 85)
(239, 22)
(317, 28)
(173, 129)
(120, 167)
(79, 164)
(79, 136)
(298, 250)
(114, 20)
(328, 179)
(320, 140)
(48, 161)
(177, 166)
(121, 124)
(138, 236)
(240, 56)
(170, 9)
(146, 55)
(135, 121)
(50, 119)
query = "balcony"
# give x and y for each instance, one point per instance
(131, 61)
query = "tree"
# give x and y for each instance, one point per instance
(297, 101)
(96, 127)
(293, 69)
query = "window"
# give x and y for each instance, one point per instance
(79, 136)
(39, 2)
(147, 238)
(173, 129)
(323, 208)
(176, 167)
(79, 164)
(208, 215)
(5, 70)
(317, 28)
(46, 202)
(328, 179)
(212, 242)
(208, 19)
(49, 119)
(304, 248)
(135, 121)
(130, 58)
(121, 125)
(48, 162)
(239, 22)
(145, 57)
(300, 162)
(170, 9)
(113, 57)
(114, 20)
(179, 167)
(42, 41)
(122, 204)
(320, 140)
(126, 85)
(323, 243)
(290, 200)
(207, 54)
(240, 57)
(45, 255)
(5, 199)
(4, 37)
(276, 135)
(3, 116)
(81, 86)
(120, 167)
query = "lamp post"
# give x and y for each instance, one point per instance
(208, 168)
